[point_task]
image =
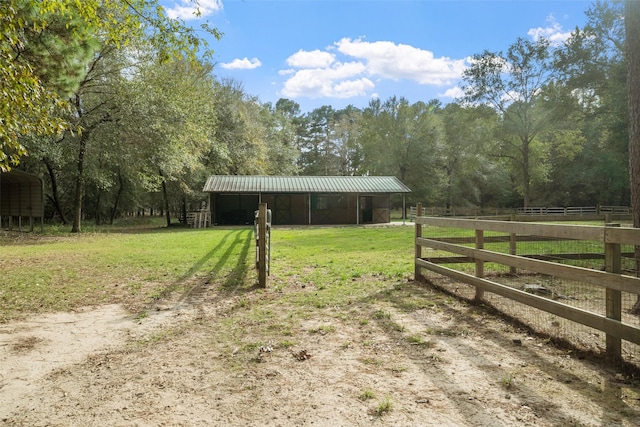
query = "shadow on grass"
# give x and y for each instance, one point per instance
(229, 272)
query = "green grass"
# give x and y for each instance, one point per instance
(419, 340)
(384, 407)
(367, 395)
(60, 271)
(141, 263)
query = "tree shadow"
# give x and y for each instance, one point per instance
(229, 273)
(226, 280)
(236, 279)
(465, 321)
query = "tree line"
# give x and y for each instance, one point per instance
(118, 108)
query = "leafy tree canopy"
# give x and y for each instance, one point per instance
(45, 46)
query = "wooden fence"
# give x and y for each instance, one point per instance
(199, 219)
(429, 255)
(563, 213)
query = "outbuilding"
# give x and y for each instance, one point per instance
(300, 200)
(21, 199)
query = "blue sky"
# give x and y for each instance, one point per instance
(337, 52)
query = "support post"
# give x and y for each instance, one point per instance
(613, 264)
(404, 209)
(513, 249)
(417, 274)
(479, 263)
(262, 245)
(512, 245)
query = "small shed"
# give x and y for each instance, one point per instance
(21, 199)
(303, 200)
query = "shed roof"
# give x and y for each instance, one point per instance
(304, 184)
(15, 176)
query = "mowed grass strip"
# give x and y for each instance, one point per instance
(335, 266)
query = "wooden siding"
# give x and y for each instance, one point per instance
(21, 195)
(302, 209)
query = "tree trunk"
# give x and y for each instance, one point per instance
(98, 214)
(79, 186)
(55, 197)
(632, 33)
(183, 213)
(526, 175)
(166, 199)
(114, 210)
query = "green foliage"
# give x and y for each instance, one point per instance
(401, 139)
(593, 68)
(47, 46)
(514, 84)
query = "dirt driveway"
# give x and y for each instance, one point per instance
(243, 360)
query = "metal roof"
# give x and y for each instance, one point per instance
(304, 184)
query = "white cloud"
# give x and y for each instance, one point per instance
(351, 88)
(339, 81)
(313, 59)
(320, 73)
(553, 32)
(453, 93)
(242, 64)
(401, 61)
(187, 9)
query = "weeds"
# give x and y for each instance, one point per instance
(286, 344)
(323, 330)
(367, 395)
(507, 380)
(384, 407)
(442, 331)
(419, 340)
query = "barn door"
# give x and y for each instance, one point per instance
(366, 209)
(282, 209)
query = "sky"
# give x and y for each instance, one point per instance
(348, 52)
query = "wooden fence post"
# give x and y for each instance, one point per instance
(262, 245)
(479, 263)
(613, 264)
(417, 274)
(513, 245)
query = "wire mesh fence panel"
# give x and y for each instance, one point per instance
(471, 250)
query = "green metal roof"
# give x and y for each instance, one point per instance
(304, 184)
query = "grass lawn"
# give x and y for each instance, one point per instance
(142, 264)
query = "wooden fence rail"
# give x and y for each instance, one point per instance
(611, 279)
(563, 213)
(199, 219)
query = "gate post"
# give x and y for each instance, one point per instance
(262, 245)
(613, 264)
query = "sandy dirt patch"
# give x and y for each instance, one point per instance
(216, 359)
